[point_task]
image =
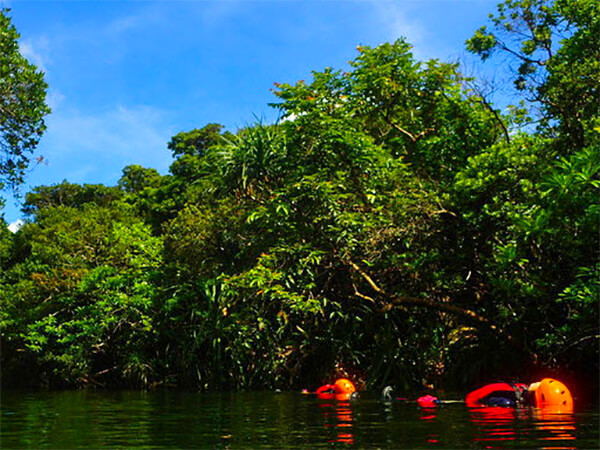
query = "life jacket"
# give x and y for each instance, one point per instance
(342, 389)
(325, 389)
(496, 394)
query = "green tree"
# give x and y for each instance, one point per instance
(77, 298)
(390, 225)
(68, 194)
(542, 223)
(557, 50)
(22, 106)
(327, 222)
(137, 178)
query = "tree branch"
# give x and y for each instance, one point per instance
(572, 344)
(364, 297)
(412, 137)
(367, 278)
(393, 300)
(496, 116)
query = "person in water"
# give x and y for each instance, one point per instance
(342, 389)
(497, 394)
(549, 394)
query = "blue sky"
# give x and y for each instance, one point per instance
(126, 76)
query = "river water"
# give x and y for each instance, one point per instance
(175, 419)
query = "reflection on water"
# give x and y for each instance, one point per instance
(556, 425)
(269, 420)
(338, 414)
(429, 415)
(495, 424)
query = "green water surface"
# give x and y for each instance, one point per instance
(174, 419)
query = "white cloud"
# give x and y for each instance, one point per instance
(54, 98)
(36, 52)
(161, 13)
(401, 19)
(144, 18)
(16, 225)
(83, 146)
(397, 22)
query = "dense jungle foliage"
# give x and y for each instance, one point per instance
(394, 226)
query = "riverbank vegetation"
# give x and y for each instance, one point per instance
(395, 225)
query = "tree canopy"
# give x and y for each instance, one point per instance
(393, 227)
(22, 106)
